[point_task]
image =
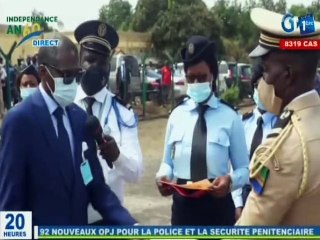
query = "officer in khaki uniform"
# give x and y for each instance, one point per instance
(284, 171)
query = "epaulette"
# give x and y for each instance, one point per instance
(180, 100)
(123, 103)
(229, 105)
(247, 115)
(281, 123)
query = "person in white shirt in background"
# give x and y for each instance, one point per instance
(257, 125)
(97, 43)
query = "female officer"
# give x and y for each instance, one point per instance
(203, 134)
(26, 83)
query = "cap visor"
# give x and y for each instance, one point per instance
(259, 51)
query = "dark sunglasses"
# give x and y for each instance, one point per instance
(68, 74)
(199, 78)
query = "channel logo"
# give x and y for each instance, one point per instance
(45, 43)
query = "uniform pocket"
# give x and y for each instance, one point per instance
(175, 141)
(218, 147)
(220, 138)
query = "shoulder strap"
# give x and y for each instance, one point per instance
(123, 103)
(281, 123)
(180, 100)
(120, 121)
(229, 105)
(247, 115)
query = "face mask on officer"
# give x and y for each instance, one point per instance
(26, 92)
(268, 97)
(94, 79)
(257, 99)
(199, 92)
(65, 89)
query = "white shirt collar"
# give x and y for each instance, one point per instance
(51, 104)
(99, 96)
(267, 116)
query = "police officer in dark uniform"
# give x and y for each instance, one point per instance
(204, 137)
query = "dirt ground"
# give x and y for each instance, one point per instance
(143, 200)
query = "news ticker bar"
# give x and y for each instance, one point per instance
(172, 232)
(299, 44)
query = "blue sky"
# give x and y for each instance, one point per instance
(70, 12)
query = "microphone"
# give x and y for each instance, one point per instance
(94, 129)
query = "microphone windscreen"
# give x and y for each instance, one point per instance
(93, 127)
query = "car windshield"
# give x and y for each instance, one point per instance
(179, 72)
(152, 74)
(246, 72)
(223, 68)
(232, 68)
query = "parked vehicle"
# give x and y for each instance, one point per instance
(222, 77)
(135, 83)
(179, 79)
(228, 72)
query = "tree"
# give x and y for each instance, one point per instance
(117, 13)
(174, 27)
(44, 25)
(147, 13)
(268, 4)
(281, 6)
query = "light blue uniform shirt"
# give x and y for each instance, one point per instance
(225, 143)
(250, 126)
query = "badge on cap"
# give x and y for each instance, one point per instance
(102, 30)
(191, 48)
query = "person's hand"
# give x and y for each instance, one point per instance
(238, 213)
(109, 149)
(220, 186)
(164, 190)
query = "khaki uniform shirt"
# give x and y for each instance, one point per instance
(294, 167)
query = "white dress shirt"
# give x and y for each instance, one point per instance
(250, 126)
(52, 106)
(129, 166)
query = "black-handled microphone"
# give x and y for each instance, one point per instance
(94, 130)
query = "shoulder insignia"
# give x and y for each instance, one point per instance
(247, 115)
(281, 123)
(259, 181)
(229, 105)
(123, 103)
(180, 100)
(259, 172)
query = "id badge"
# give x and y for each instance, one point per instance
(86, 172)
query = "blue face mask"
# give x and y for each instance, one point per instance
(258, 101)
(199, 92)
(26, 92)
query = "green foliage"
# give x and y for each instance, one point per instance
(172, 22)
(174, 27)
(231, 95)
(117, 13)
(44, 25)
(146, 14)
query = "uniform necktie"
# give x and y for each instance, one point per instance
(198, 165)
(257, 137)
(63, 140)
(89, 101)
